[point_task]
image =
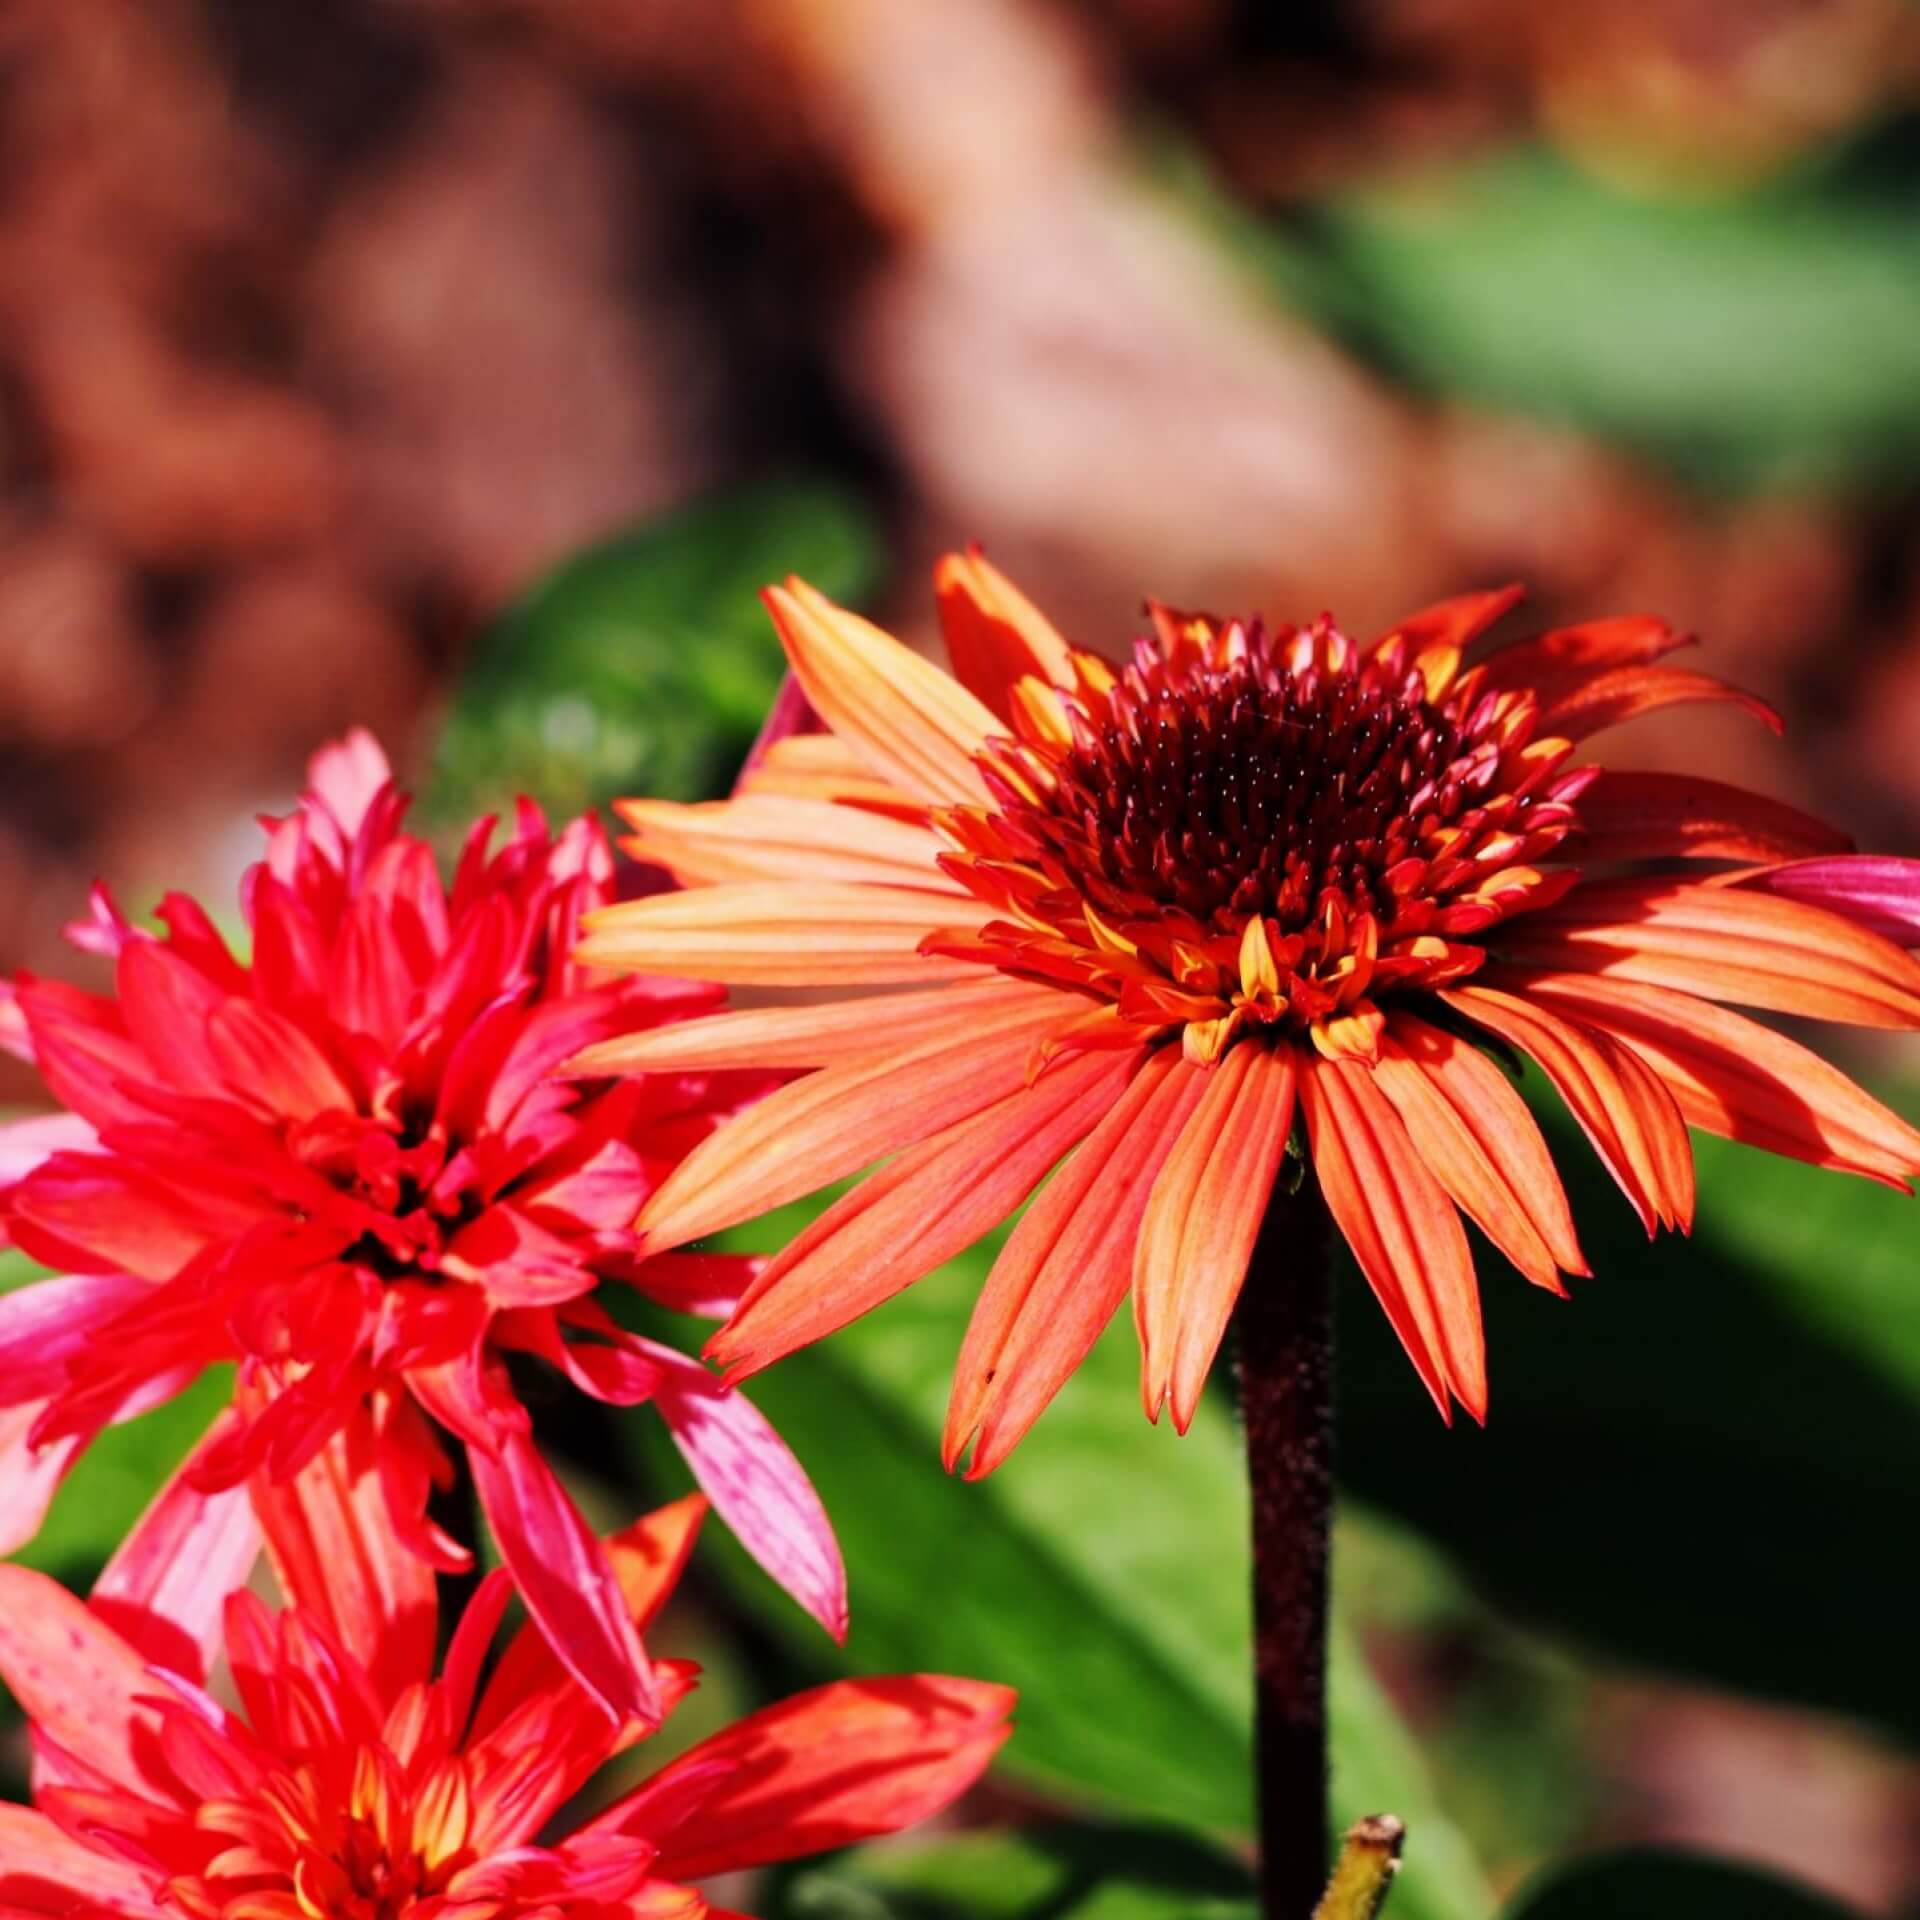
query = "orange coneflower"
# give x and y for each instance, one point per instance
(1148, 913)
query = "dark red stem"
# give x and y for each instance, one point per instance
(1284, 1324)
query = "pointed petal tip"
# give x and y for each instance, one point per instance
(953, 1445)
(989, 1452)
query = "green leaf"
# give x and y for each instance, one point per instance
(1102, 1571)
(16, 1270)
(645, 664)
(1654, 1885)
(1769, 337)
(1041, 1873)
(1704, 1460)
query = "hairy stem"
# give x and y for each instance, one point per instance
(1284, 1325)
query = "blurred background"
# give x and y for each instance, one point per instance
(459, 367)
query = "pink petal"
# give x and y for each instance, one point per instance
(46, 1324)
(707, 1284)
(192, 934)
(25, 1143)
(373, 986)
(270, 1061)
(104, 930)
(103, 1215)
(165, 1588)
(1881, 894)
(42, 1870)
(16, 1037)
(548, 1035)
(346, 777)
(565, 1578)
(411, 1464)
(612, 1368)
(517, 1261)
(166, 1002)
(74, 1677)
(597, 1188)
(791, 713)
(335, 1551)
(81, 1046)
(29, 1476)
(648, 1557)
(755, 1483)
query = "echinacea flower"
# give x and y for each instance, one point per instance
(1139, 917)
(352, 1782)
(345, 1164)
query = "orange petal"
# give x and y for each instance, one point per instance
(825, 1033)
(1639, 816)
(920, 1209)
(1452, 623)
(764, 837)
(1725, 943)
(761, 933)
(823, 1769)
(815, 766)
(995, 635)
(1551, 665)
(1065, 1267)
(1480, 1142)
(1736, 1078)
(902, 715)
(1202, 1219)
(844, 1118)
(1623, 693)
(1625, 1109)
(1401, 1226)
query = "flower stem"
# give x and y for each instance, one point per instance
(1284, 1323)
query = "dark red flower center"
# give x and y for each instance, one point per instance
(1249, 789)
(406, 1190)
(1249, 828)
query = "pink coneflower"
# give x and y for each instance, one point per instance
(345, 1163)
(353, 1782)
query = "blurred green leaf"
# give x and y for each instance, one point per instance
(1041, 1873)
(645, 664)
(1654, 1885)
(1765, 338)
(1102, 1571)
(16, 1270)
(1705, 1461)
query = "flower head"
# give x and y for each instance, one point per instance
(1143, 916)
(345, 1164)
(352, 1782)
